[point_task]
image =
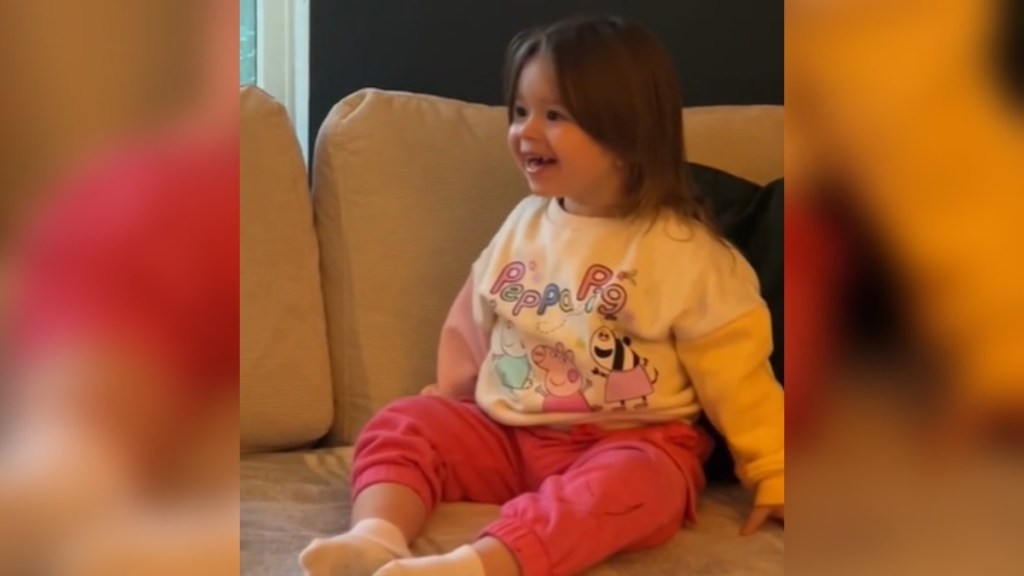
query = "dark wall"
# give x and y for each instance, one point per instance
(726, 51)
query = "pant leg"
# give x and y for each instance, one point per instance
(620, 495)
(442, 449)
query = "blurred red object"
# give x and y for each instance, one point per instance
(816, 259)
(140, 249)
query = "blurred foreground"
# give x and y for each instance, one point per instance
(118, 288)
(905, 286)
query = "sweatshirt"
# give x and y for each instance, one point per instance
(568, 320)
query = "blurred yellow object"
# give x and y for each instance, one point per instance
(901, 98)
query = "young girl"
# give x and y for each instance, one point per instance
(600, 321)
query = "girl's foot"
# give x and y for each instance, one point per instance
(361, 551)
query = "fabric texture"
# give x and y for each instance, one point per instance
(742, 140)
(407, 190)
(609, 338)
(616, 490)
(751, 217)
(286, 396)
(604, 324)
(289, 498)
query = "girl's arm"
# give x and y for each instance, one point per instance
(738, 391)
(724, 339)
(463, 346)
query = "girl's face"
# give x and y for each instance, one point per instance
(559, 159)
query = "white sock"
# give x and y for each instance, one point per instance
(463, 561)
(361, 551)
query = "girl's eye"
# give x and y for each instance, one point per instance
(519, 112)
(555, 116)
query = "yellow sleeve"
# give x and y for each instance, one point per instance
(729, 369)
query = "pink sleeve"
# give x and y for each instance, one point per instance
(462, 348)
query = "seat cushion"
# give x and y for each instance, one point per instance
(286, 398)
(290, 498)
(408, 189)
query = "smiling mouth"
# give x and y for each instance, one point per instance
(534, 164)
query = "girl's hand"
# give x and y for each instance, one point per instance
(760, 514)
(436, 390)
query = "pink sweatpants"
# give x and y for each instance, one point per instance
(570, 499)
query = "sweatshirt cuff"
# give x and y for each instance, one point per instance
(771, 491)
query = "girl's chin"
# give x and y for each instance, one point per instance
(543, 192)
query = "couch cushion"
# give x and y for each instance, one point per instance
(408, 189)
(286, 397)
(742, 140)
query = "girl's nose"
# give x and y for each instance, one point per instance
(529, 128)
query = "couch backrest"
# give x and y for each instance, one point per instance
(408, 189)
(286, 398)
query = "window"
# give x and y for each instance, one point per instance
(247, 42)
(274, 55)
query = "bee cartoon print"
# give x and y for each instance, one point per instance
(626, 372)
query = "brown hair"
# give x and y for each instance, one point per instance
(618, 82)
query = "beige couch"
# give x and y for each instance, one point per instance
(344, 292)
